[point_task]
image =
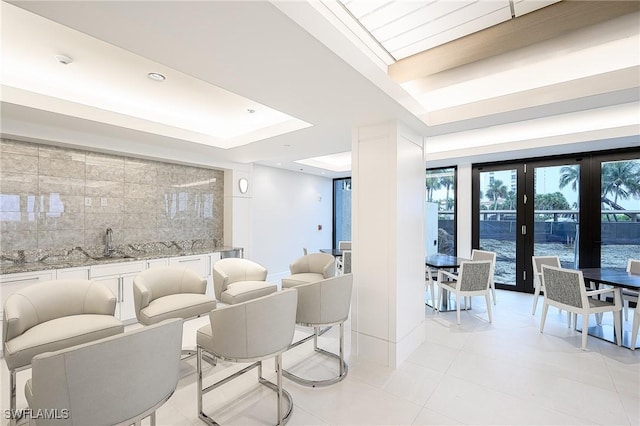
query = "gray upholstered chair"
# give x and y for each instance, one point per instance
(565, 289)
(537, 262)
(346, 262)
(54, 315)
(323, 303)
(473, 279)
(342, 245)
(487, 255)
(236, 280)
(118, 380)
(250, 331)
(633, 267)
(310, 268)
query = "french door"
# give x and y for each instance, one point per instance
(583, 208)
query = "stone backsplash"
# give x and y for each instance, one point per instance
(58, 200)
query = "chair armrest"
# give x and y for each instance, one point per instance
(141, 296)
(617, 294)
(450, 275)
(220, 282)
(99, 300)
(19, 315)
(329, 270)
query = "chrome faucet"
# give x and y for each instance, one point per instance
(109, 249)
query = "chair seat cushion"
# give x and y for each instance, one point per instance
(59, 333)
(181, 305)
(303, 278)
(241, 291)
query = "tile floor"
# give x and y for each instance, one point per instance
(476, 373)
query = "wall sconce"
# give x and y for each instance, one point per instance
(243, 185)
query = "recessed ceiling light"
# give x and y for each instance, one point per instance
(64, 59)
(156, 76)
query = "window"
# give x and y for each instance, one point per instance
(341, 210)
(441, 194)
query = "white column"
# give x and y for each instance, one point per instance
(388, 178)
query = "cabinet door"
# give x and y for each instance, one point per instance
(196, 263)
(152, 263)
(113, 284)
(11, 283)
(73, 274)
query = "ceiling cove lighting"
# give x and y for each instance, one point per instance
(340, 162)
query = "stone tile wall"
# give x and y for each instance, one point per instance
(53, 197)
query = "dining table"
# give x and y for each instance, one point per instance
(435, 262)
(619, 279)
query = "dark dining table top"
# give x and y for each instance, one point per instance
(443, 261)
(612, 277)
(335, 251)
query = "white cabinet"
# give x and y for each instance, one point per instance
(118, 277)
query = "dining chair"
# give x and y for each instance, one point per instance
(565, 289)
(431, 279)
(633, 267)
(473, 279)
(487, 255)
(537, 262)
(342, 245)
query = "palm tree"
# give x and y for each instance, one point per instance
(447, 182)
(495, 191)
(620, 179)
(570, 175)
(433, 184)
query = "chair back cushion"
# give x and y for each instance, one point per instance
(538, 261)
(475, 275)
(162, 281)
(319, 263)
(483, 255)
(346, 262)
(344, 245)
(111, 380)
(254, 329)
(633, 266)
(233, 269)
(50, 300)
(324, 302)
(563, 285)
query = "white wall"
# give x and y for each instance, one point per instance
(286, 209)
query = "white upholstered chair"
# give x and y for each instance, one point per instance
(250, 331)
(117, 380)
(473, 279)
(167, 292)
(633, 266)
(565, 289)
(54, 315)
(310, 268)
(323, 303)
(236, 280)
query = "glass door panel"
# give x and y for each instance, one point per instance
(620, 213)
(498, 226)
(556, 218)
